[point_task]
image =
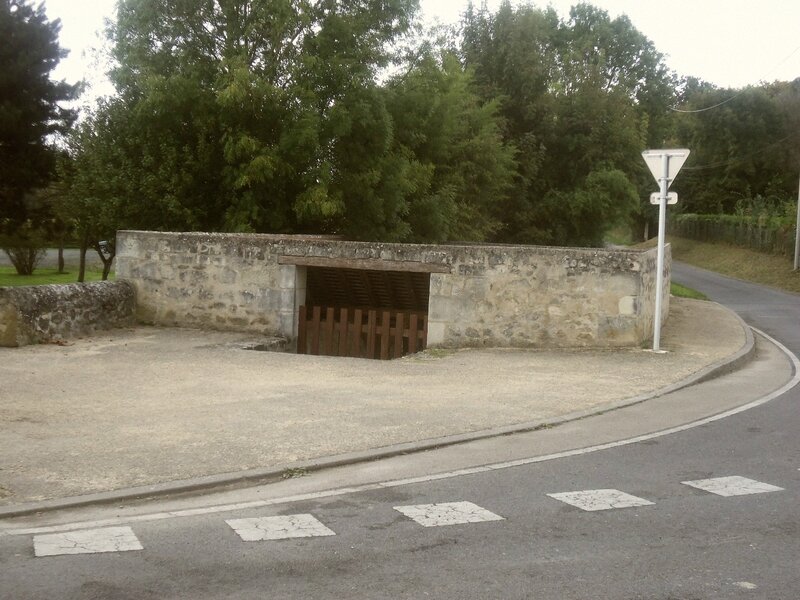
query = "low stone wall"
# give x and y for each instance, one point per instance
(480, 295)
(46, 313)
(545, 297)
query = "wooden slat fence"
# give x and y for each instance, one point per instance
(361, 333)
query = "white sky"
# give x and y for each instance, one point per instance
(731, 43)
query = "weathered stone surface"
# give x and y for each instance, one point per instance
(492, 295)
(46, 313)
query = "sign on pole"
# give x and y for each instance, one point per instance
(672, 198)
(676, 159)
(664, 165)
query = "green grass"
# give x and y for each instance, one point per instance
(741, 263)
(9, 277)
(681, 291)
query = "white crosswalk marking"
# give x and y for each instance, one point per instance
(122, 539)
(600, 499)
(278, 528)
(732, 486)
(447, 513)
(88, 541)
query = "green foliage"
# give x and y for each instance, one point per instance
(268, 117)
(584, 214)
(746, 146)
(581, 98)
(765, 232)
(681, 291)
(253, 117)
(25, 248)
(281, 116)
(462, 168)
(29, 103)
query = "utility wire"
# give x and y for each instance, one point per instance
(742, 91)
(699, 110)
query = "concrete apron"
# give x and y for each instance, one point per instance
(569, 398)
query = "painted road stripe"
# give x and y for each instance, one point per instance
(592, 500)
(89, 541)
(447, 513)
(732, 486)
(279, 528)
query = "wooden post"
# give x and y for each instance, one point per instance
(385, 325)
(371, 326)
(412, 334)
(330, 322)
(315, 330)
(398, 335)
(301, 331)
(343, 332)
(358, 317)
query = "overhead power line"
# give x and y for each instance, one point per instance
(718, 104)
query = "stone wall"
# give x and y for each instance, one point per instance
(46, 313)
(480, 295)
(544, 297)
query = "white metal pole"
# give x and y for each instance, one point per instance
(662, 228)
(797, 234)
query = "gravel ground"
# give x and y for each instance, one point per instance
(148, 405)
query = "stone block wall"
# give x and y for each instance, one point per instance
(480, 295)
(46, 313)
(544, 297)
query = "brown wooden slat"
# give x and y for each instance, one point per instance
(412, 333)
(330, 321)
(386, 322)
(301, 330)
(398, 335)
(315, 322)
(343, 332)
(371, 327)
(358, 317)
(424, 332)
(372, 264)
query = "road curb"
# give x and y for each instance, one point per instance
(279, 472)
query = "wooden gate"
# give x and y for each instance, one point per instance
(361, 333)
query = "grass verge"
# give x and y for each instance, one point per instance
(9, 277)
(681, 291)
(741, 263)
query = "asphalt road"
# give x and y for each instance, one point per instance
(683, 544)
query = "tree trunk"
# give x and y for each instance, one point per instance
(84, 247)
(646, 230)
(61, 255)
(107, 261)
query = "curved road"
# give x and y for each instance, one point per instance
(542, 537)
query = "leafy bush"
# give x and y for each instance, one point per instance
(25, 248)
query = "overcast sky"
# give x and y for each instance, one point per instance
(731, 43)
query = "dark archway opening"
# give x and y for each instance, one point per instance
(363, 312)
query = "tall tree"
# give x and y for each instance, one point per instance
(30, 108)
(581, 97)
(464, 169)
(249, 103)
(745, 143)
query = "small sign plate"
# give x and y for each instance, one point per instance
(672, 198)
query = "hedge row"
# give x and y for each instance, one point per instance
(767, 234)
